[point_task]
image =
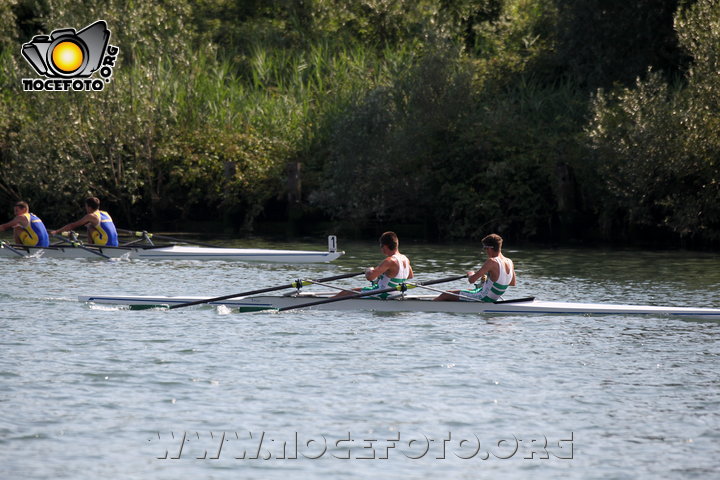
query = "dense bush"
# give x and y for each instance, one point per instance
(657, 144)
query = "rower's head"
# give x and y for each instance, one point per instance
(21, 208)
(92, 204)
(389, 241)
(492, 244)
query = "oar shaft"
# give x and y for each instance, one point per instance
(79, 245)
(443, 291)
(368, 293)
(472, 299)
(14, 250)
(264, 290)
(164, 237)
(334, 287)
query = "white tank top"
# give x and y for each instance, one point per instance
(383, 281)
(505, 277)
(490, 290)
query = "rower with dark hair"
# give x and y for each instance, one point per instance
(29, 230)
(498, 273)
(100, 226)
(391, 272)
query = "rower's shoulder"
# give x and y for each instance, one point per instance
(404, 257)
(389, 261)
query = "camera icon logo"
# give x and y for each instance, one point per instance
(67, 59)
(66, 53)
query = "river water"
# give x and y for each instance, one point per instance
(88, 392)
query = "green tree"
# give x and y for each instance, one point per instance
(604, 41)
(657, 144)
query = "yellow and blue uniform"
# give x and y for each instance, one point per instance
(35, 234)
(105, 232)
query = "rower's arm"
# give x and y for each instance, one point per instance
(71, 226)
(12, 223)
(475, 276)
(373, 273)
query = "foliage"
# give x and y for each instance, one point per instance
(464, 116)
(8, 29)
(518, 147)
(456, 146)
(600, 42)
(233, 171)
(380, 153)
(658, 143)
(282, 23)
(121, 144)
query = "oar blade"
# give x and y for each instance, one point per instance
(254, 308)
(160, 306)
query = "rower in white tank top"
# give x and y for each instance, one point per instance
(385, 281)
(394, 270)
(492, 290)
(497, 267)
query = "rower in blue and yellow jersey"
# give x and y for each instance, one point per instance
(391, 272)
(101, 229)
(29, 229)
(498, 273)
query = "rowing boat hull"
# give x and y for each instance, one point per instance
(177, 252)
(418, 303)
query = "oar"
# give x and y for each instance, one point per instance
(163, 237)
(444, 291)
(295, 284)
(335, 287)
(472, 299)
(400, 287)
(517, 300)
(80, 245)
(5, 245)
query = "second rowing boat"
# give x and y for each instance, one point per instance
(176, 252)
